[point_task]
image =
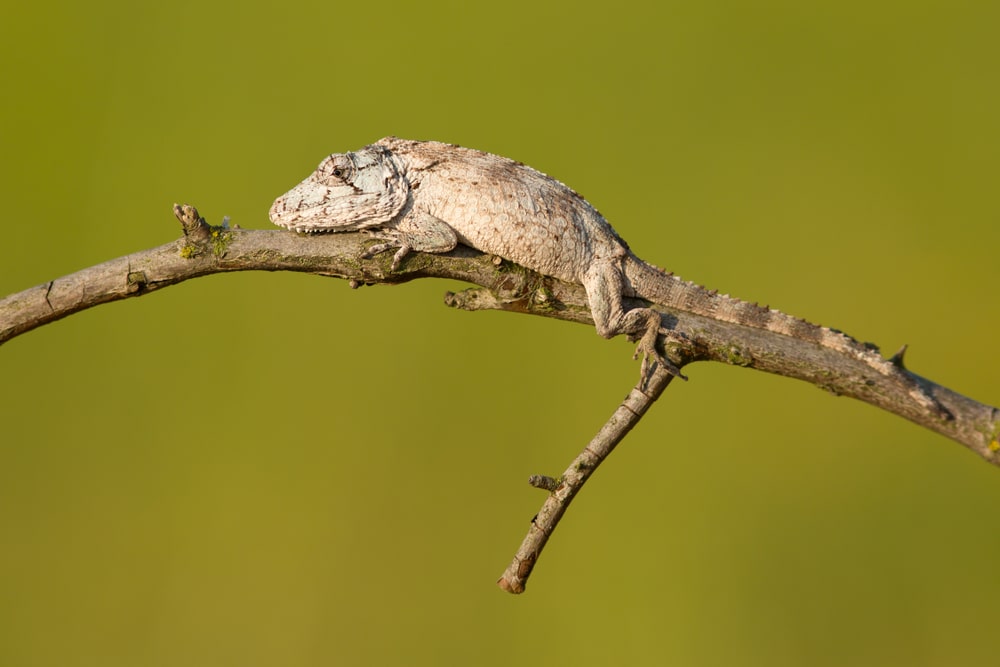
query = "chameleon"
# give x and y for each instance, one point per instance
(429, 196)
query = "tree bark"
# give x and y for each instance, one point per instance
(206, 249)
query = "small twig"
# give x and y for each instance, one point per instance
(627, 415)
(544, 482)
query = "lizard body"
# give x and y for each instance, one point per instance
(429, 196)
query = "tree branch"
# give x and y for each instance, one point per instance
(563, 490)
(205, 249)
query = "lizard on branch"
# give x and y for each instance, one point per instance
(428, 196)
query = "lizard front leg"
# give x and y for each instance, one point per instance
(416, 231)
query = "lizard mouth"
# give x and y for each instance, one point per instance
(289, 218)
(277, 213)
(293, 220)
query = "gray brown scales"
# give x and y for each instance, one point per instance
(429, 196)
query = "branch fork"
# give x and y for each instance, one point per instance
(205, 249)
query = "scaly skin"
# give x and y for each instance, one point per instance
(429, 196)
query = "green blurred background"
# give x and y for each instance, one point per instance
(272, 469)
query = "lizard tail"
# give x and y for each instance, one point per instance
(670, 290)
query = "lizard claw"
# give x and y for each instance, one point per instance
(378, 248)
(647, 366)
(649, 352)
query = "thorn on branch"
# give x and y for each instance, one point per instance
(897, 359)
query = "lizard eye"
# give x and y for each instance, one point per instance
(338, 169)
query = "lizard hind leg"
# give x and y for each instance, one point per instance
(605, 285)
(647, 325)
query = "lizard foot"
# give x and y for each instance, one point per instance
(379, 248)
(648, 350)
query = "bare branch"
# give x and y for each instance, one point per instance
(563, 490)
(207, 249)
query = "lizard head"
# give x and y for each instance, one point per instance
(347, 192)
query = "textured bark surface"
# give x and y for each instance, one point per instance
(206, 249)
(430, 196)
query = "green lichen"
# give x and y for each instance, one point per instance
(736, 356)
(504, 268)
(995, 439)
(543, 298)
(513, 282)
(221, 238)
(991, 433)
